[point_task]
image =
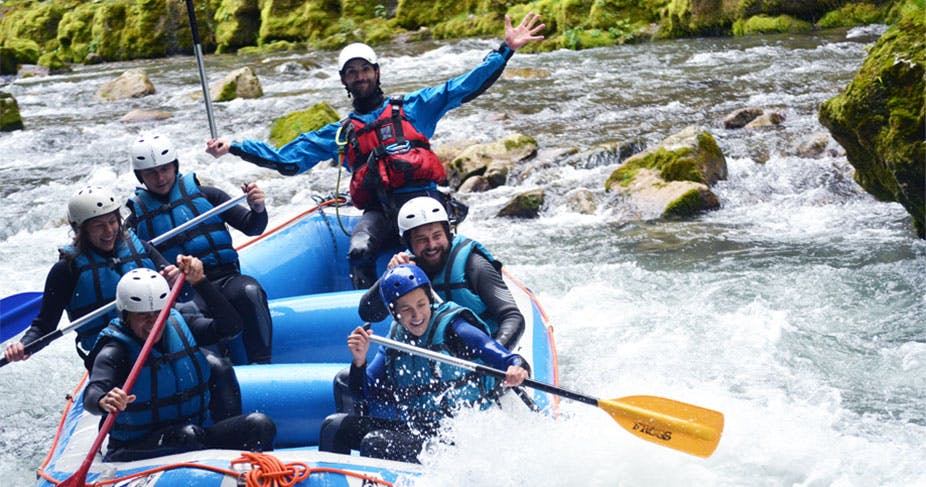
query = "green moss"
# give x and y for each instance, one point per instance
(291, 20)
(75, 33)
(237, 24)
(10, 118)
(51, 61)
(880, 118)
(686, 205)
(851, 15)
(466, 25)
(519, 141)
(14, 52)
(622, 176)
(287, 128)
(278, 46)
(764, 24)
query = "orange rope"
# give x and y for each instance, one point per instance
(268, 471)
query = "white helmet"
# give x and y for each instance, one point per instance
(141, 290)
(91, 202)
(420, 211)
(355, 51)
(152, 150)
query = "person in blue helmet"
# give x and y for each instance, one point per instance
(169, 199)
(179, 402)
(418, 391)
(387, 141)
(85, 276)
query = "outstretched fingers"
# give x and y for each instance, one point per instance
(526, 31)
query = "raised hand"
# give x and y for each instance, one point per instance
(525, 32)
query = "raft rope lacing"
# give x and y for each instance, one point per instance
(266, 470)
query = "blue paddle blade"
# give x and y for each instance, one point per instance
(17, 312)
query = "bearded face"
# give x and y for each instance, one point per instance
(431, 246)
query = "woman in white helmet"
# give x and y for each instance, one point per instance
(387, 141)
(177, 406)
(85, 276)
(169, 198)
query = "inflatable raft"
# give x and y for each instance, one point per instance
(303, 267)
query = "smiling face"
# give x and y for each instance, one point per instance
(431, 246)
(142, 323)
(360, 77)
(413, 311)
(102, 231)
(159, 179)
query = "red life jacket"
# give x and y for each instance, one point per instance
(388, 154)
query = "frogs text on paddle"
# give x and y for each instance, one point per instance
(653, 431)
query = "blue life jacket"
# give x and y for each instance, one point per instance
(450, 281)
(97, 277)
(426, 390)
(209, 241)
(172, 387)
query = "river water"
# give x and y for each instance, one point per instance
(796, 309)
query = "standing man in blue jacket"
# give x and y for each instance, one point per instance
(386, 141)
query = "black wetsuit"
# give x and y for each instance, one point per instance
(59, 289)
(244, 292)
(110, 363)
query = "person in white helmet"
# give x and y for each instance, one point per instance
(387, 141)
(169, 198)
(176, 404)
(86, 274)
(460, 270)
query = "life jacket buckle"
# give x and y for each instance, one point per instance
(398, 148)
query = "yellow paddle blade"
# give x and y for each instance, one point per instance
(673, 424)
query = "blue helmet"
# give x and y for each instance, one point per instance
(401, 280)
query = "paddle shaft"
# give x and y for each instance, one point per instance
(50, 337)
(80, 476)
(198, 51)
(482, 369)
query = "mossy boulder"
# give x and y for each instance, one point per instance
(286, 128)
(15, 52)
(53, 62)
(240, 83)
(764, 24)
(525, 205)
(10, 118)
(672, 179)
(879, 118)
(851, 15)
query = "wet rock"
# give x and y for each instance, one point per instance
(494, 160)
(137, 115)
(240, 83)
(10, 118)
(286, 128)
(525, 73)
(879, 118)
(133, 83)
(32, 70)
(739, 118)
(581, 200)
(524, 205)
(475, 184)
(768, 119)
(672, 179)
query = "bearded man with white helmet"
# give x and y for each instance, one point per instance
(89, 268)
(386, 140)
(183, 399)
(461, 269)
(170, 199)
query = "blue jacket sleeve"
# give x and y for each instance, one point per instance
(470, 342)
(299, 155)
(425, 107)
